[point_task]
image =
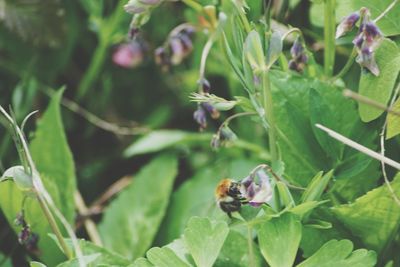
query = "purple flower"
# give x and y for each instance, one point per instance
(177, 47)
(256, 191)
(200, 117)
(347, 24)
(299, 56)
(366, 42)
(204, 85)
(214, 113)
(130, 55)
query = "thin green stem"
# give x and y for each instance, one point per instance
(347, 66)
(269, 114)
(50, 218)
(329, 37)
(390, 7)
(252, 261)
(100, 53)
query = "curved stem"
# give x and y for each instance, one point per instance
(237, 115)
(347, 66)
(390, 7)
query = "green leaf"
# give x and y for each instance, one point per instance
(393, 121)
(53, 157)
(304, 208)
(279, 240)
(379, 88)
(164, 257)
(36, 264)
(316, 187)
(275, 48)
(160, 140)
(204, 240)
(374, 217)
(141, 262)
(322, 114)
(340, 253)
(131, 221)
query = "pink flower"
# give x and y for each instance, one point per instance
(128, 55)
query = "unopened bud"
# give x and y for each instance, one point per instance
(347, 24)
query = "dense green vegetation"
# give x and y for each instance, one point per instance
(226, 133)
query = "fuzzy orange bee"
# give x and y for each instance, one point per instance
(228, 196)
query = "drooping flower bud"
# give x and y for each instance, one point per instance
(347, 24)
(24, 235)
(299, 56)
(204, 85)
(176, 48)
(200, 117)
(214, 113)
(130, 54)
(223, 137)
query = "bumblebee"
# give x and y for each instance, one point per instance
(228, 196)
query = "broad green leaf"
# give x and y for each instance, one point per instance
(316, 187)
(322, 114)
(236, 252)
(53, 157)
(393, 121)
(300, 150)
(131, 221)
(275, 48)
(204, 240)
(374, 217)
(164, 257)
(304, 208)
(160, 140)
(379, 88)
(340, 253)
(279, 240)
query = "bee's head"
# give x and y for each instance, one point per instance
(227, 188)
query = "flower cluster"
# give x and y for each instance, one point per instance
(177, 47)
(132, 53)
(200, 115)
(299, 56)
(367, 39)
(26, 237)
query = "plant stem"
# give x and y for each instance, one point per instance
(105, 37)
(347, 66)
(329, 37)
(252, 262)
(50, 218)
(269, 114)
(386, 10)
